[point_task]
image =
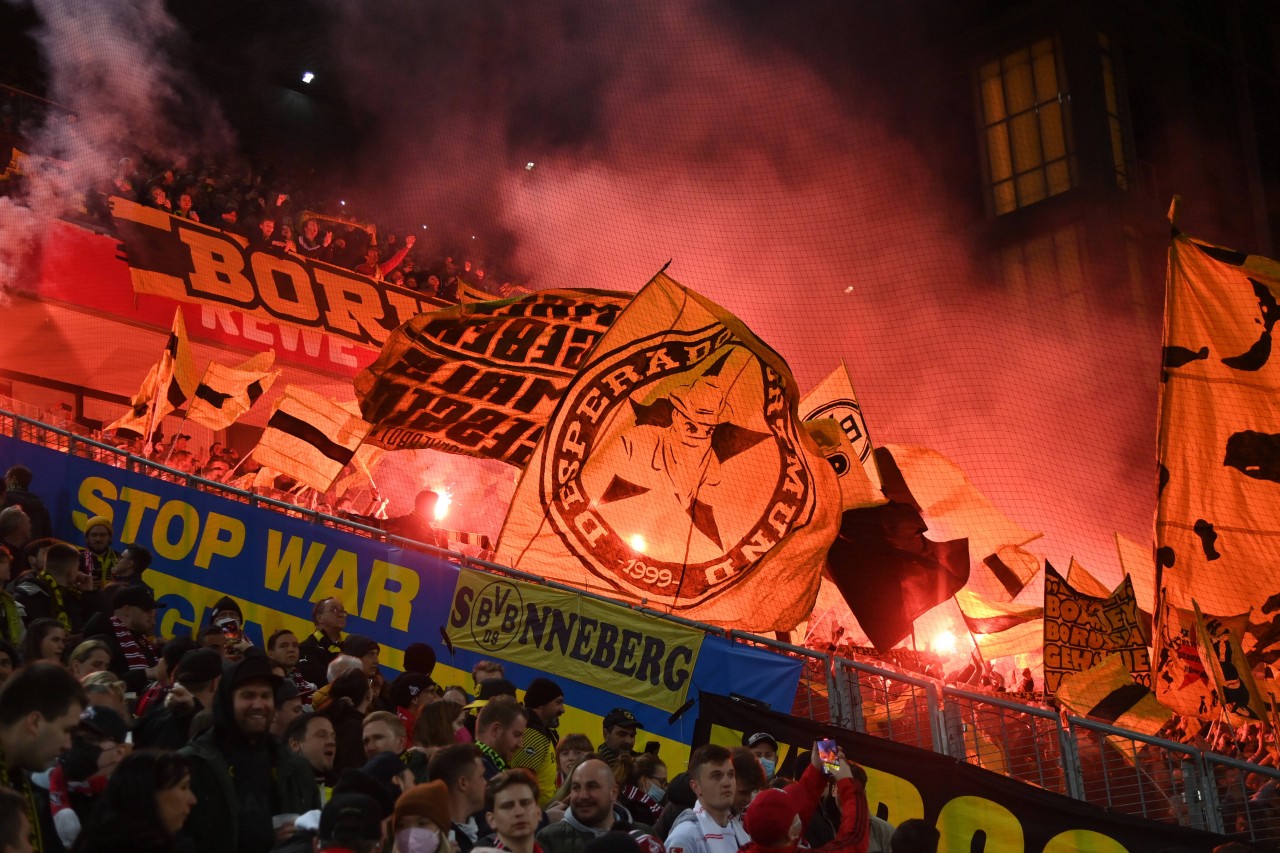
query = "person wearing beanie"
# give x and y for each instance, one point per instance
(421, 819)
(544, 703)
(776, 818)
(97, 559)
(269, 779)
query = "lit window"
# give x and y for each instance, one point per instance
(1026, 127)
(1117, 123)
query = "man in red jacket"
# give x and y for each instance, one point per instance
(776, 818)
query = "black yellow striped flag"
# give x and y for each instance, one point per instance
(310, 437)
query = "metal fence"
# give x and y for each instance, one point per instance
(1114, 768)
(1117, 769)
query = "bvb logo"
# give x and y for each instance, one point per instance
(674, 466)
(497, 616)
(847, 413)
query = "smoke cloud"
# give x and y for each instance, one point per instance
(666, 133)
(116, 68)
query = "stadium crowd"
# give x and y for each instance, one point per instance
(113, 739)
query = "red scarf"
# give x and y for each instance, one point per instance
(136, 654)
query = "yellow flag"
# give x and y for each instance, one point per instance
(311, 438)
(1219, 511)
(954, 509)
(1107, 692)
(675, 471)
(225, 394)
(1079, 579)
(1139, 564)
(1233, 681)
(169, 384)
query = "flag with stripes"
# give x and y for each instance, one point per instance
(168, 385)
(1229, 670)
(225, 394)
(954, 509)
(310, 437)
(984, 616)
(1026, 638)
(1107, 692)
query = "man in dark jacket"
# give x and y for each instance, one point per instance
(241, 775)
(325, 643)
(169, 727)
(127, 633)
(18, 482)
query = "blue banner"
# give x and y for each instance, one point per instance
(275, 566)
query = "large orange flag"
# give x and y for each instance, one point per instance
(1219, 512)
(675, 471)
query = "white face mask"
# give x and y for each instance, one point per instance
(417, 840)
(769, 766)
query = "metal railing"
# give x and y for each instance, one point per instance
(1085, 759)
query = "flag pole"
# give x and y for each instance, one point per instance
(183, 422)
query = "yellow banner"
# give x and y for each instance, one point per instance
(592, 642)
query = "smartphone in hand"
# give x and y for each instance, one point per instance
(829, 755)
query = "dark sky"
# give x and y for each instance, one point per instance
(812, 167)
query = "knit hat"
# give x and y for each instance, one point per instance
(358, 645)
(540, 692)
(419, 657)
(770, 816)
(407, 687)
(429, 800)
(228, 603)
(98, 520)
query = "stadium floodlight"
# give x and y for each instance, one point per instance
(307, 76)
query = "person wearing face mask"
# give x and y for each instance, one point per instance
(74, 785)
(642, 785)
(775, 818)
(765, 746)
(421, 816)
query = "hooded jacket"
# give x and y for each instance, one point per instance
(266, 766)
(570, 835)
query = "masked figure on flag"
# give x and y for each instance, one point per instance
(674, 470)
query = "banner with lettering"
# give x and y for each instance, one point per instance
(482, 379)
(207, 546)
(637, 656)
(1079, 630)
(972, 808)
(189, 262)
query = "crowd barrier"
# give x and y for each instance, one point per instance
(1087, 760)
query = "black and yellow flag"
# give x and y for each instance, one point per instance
(1079, 630)
(225, 394)
(1106, 691)
(676, 471)
(482, 379)
(311, 438)
(169, 384)
(1218, 520)
(1233, 682)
